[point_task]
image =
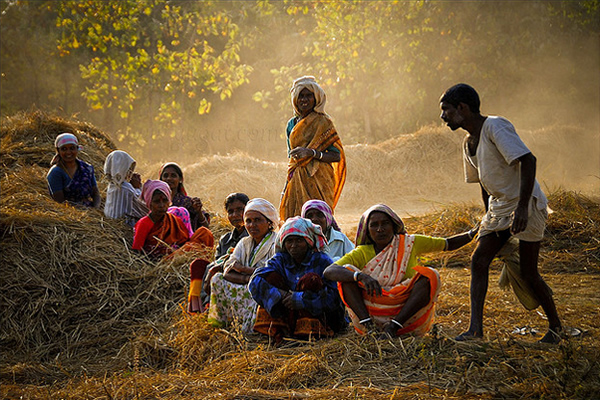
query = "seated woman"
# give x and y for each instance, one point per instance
(320, 214)
(235, 203)
(293, 297)
(124, 188)
(172, 174)
(160, 233)
(69, 178)
(201, 273)
(381, 282)
(230, 299)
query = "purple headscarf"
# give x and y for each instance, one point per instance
(322, 206)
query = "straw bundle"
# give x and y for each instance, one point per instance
(405, 168)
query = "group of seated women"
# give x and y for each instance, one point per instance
(164, 217)
(296, 278)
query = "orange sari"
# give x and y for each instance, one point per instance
(389, 267)
(310, 178)
(171, 234)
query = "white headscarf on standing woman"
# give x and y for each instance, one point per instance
(311, 84)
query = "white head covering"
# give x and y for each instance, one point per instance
(265, 208)
(311, 84)
(117, 167)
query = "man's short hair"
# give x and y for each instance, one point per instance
(462, 93)
(232, 197)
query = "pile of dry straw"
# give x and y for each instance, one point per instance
(71, 287)
(83, 317)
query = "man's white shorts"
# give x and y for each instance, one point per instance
(536, 223)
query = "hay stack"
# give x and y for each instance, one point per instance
(28, 139)
(71, 289)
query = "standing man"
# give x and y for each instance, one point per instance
(496, 158)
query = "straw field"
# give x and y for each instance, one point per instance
(85, 318)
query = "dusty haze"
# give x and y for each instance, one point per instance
(417, 169)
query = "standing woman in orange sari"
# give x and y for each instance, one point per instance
(317, 164)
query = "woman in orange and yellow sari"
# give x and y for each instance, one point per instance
(381, 282)
(317, 163)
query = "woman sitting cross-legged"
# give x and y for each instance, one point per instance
(160, 233)
(321, 214)
(230, 300)
(381, 282)
(294, 298)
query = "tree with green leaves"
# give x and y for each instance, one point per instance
(163, 61)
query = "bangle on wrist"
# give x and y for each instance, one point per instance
(320, 155)
(364, 321)
(397, 323)
(314, 153)
(356, 274)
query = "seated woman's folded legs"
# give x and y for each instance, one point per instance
(353, 297)
(419, 297)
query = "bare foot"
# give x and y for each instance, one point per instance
(552, 336)
(465, 336)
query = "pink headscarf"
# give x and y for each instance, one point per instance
(66, 138)
(62, 140)
(150, 186)
(298, 226)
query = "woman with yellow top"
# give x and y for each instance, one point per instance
(381, 282)
(317, 164)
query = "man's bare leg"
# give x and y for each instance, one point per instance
(486, 250)
(529, 254)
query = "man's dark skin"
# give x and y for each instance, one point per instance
(461, 116)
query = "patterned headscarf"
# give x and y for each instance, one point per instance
(311, 84)
(62, 140)
(322, 206)
(265, 208)
(362, 234)
(298, 226)
(177, 168)
(150, 186)
(117, 167)
(66, 138)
